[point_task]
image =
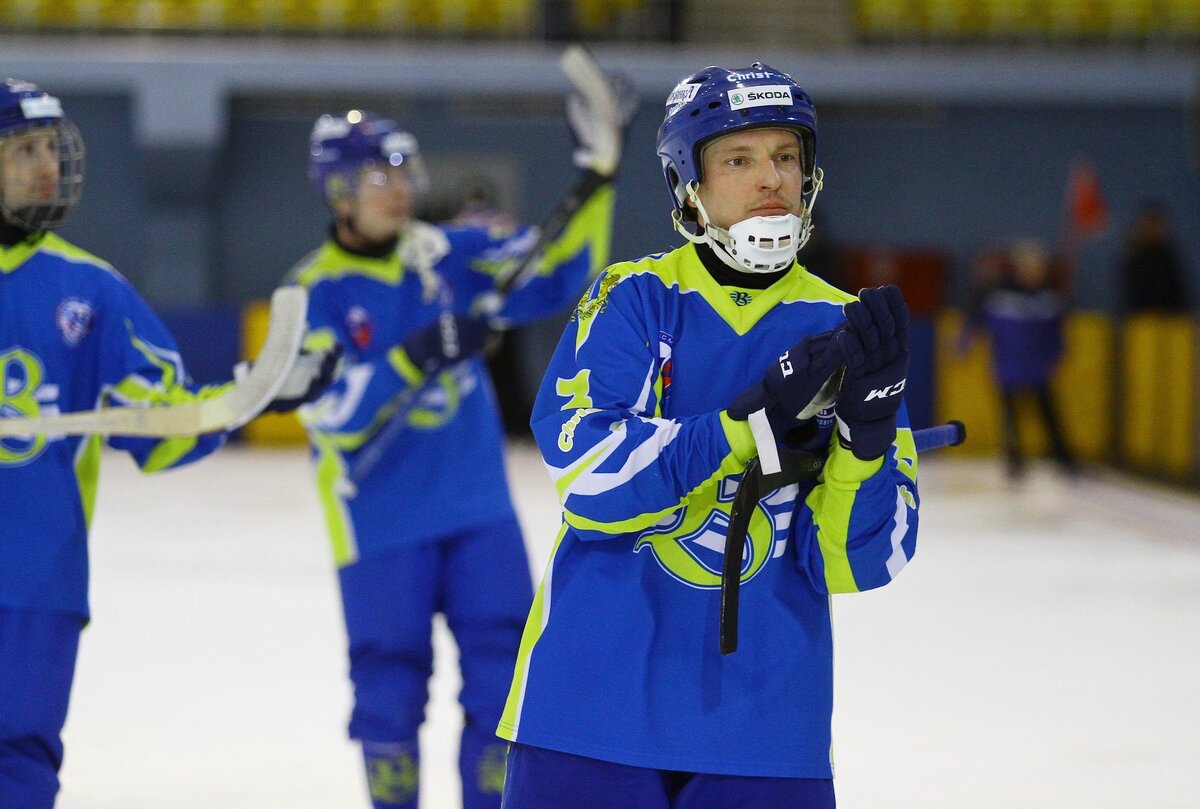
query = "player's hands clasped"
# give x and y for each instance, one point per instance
(874, 346)
(789, 388)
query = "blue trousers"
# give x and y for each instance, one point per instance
(547, 779)
(37, 664)
(480, 581)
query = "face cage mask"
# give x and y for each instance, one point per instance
(48, 214)
(760, 244)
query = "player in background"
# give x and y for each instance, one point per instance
(74, 335)
(1020, 300)
(429, 527)
(674, 372)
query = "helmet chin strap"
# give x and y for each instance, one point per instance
(762, 244)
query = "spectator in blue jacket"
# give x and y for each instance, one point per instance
(1019, 300)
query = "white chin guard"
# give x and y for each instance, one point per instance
(760, 243)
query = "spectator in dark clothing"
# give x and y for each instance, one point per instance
(1018, 299)
(1152, 275)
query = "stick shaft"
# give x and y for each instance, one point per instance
(950, 434)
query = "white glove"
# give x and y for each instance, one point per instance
(311, 374)
(599, 124)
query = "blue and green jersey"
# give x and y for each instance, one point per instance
(74, 335)
(619, 659)
(444, 473)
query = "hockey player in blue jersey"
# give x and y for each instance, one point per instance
(74, 335)
(408, 442)
(674, 372)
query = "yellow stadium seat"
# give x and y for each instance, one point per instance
(1181, 18)
(425, 16)
(1129, 19)
(1013, 19)
(485, 16)
(302, 16)
(1077, 18)
(58, 13)
(594, 15)
(597, 17)
(888, 19)
(172, 15)
(244, 15)
(507, 17)
(19, 13)
(373, 16)
(947, 20)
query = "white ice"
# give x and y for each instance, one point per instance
(1041, 651)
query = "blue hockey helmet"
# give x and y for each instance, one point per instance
(341, 146)
(716, 101)
(37, 192)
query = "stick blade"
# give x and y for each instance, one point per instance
(227, 411)
(590, 81)
(285, 333)
(581, 68)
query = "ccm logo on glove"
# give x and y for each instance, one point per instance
(785, 364)
(890, 390)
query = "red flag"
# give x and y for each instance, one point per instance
(1086, 213)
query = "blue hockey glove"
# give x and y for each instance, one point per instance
(453, 337)
(790, 386)
(874, 346)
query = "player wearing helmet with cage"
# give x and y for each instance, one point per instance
(675, 371)
(74, 335)
(426, 525)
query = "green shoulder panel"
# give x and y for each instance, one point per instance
(53, 243)
(330, 262)
(13, 257)
(595, 299)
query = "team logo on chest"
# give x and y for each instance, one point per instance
(690, 544)
(358, 323)
(73, 317)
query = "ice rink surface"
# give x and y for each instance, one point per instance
(1042, 651)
